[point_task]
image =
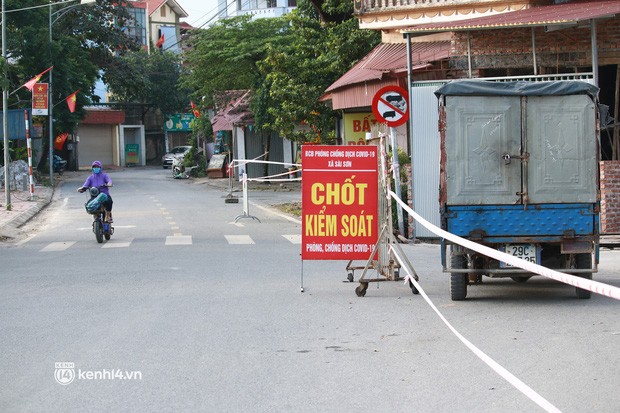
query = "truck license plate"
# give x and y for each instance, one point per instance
(526, 252)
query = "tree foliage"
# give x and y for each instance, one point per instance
(225, 56)
(83, 41)
(288, 63)
(153, 78)
(297, 74)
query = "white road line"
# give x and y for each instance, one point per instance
(294, 239)
(118, 243)
(276, 213)
(179, 240)
(57, 246)
(239, 239)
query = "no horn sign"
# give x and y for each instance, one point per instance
(390, 105)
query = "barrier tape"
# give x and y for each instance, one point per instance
(269, 178)
(501, 371)
(583, 283)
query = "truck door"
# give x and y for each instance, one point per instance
(483, 149)
(562, 146)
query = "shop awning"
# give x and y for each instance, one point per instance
(556, 14)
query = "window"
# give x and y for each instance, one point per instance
(136, 25)
(163, 11)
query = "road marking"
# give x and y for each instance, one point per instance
(118, 243)
(294, 239)
(57, 246)
(272, 212)
(239, 239)
(179, 240)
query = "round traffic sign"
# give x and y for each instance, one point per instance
(390, 105)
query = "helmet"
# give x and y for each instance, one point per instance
(97, 164)
(94, 192)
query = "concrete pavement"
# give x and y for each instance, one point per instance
(22, 209)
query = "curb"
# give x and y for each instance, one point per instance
(10, 229)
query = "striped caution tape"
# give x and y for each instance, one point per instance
(583, 283)
(505, 374)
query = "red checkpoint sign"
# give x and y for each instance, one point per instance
(339, 202)
(390, 105)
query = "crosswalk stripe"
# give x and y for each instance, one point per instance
(118, 243)
(294, 239)
(239, 239)
(57, 246)
(179, 240)
(176, 239)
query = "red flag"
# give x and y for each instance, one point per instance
(60, 140)
(160, 42)
(30, 84)
(196, 111)
(71, 101)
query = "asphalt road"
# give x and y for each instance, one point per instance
(186, 311)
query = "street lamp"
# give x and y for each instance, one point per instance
(51, 105)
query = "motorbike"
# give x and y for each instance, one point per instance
(59, 164)
(95, 207)
(179, 170)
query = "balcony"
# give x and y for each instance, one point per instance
(396, 14)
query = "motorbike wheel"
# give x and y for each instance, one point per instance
(98, 229)
(176, 171)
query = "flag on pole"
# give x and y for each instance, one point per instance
(60, 140)
(160, 42)
(71, 101)
(196, 111)
(30, 84)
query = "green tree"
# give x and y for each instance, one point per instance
(83, 41)
(140, 77)
(225, 56)
(297, 73)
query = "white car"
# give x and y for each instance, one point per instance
(176, 152)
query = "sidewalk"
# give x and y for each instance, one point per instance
(22, 209)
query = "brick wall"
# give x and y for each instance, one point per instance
(512, 48)
(410, 221)
(610, 197)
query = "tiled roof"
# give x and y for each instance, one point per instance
(391, 58)
(563, 13)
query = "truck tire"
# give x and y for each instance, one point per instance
(458, 281)
(583, 261)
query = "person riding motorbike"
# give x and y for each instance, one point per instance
(102, 181)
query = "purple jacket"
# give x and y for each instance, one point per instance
(96, 180)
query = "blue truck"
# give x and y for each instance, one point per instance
(519, 172)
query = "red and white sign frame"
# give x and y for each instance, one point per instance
(390, 105)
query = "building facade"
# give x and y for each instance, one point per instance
(492, 39)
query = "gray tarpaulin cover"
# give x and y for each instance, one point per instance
(519, 88)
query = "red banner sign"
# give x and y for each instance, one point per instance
(39, 99)
(339, 202)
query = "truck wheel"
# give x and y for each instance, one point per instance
(583, 261)
(458, 281)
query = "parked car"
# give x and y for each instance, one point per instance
(176, 152)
